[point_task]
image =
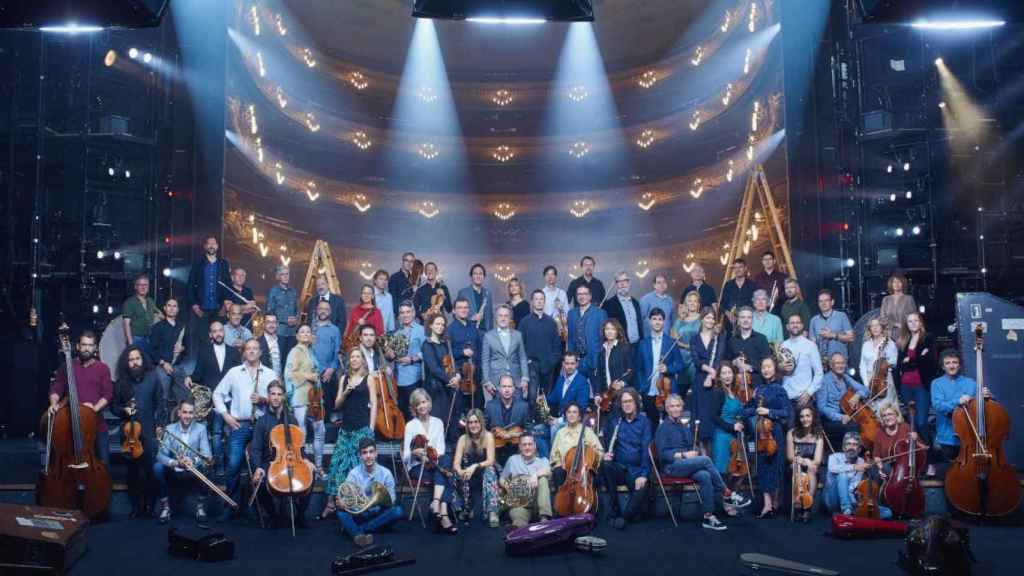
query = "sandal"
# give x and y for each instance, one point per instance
(435, 506)
(451, 528)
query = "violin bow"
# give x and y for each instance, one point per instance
(664, 494)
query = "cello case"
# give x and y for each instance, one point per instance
(541, 535)
(850, 527)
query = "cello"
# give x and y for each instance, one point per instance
(868, 490)
(389, 422)
(577, 495)
(73, 477)
(863, 415)
(902, 488)
(289, 473)
(879, 384)
(981, 482)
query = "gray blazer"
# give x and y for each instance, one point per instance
(496, 361)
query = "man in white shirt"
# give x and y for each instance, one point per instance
(804, 373)
(245, 387)
(555, 299)
(384, 301)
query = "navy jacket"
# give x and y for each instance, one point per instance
(672, 437)
(644, 362)
(462, 334)
(579, 392)
(541, 341)
(195, 280)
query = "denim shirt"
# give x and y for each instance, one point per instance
(412, 373)
(283, 302)
(326, 344)
(831, 392)
(631, 444)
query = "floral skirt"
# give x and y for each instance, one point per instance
(460, 492)
(345, 456)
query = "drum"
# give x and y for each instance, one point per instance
(112, 344)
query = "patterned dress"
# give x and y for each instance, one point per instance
(461, 490)
(355, 425)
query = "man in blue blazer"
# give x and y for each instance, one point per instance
(481, 302)
(572, 386)
(584, 338)
(653, 360)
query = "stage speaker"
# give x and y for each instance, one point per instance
(33, 14)
(38, 540)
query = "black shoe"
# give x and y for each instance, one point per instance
(766, 515)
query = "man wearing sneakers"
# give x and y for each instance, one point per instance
(361, 526)
(680, 458)
(173, 459)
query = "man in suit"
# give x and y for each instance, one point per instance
(543, 346)
(585, 322)
(653, 360)
(213, 360)
(503, 353)
(399, 284)
(572, 387)
(481, 302)
(274, 347)
(205, 277)
(626, 309)
(338, 316)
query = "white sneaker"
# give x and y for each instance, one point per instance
(165, 512)
(738, 500)
(713, 523)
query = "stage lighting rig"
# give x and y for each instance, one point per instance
(506, 11)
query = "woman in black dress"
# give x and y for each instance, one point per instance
(436, 381)
(517, 301)
(805, 447)
(615, 362)
(707, 399)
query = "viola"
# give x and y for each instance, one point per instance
(315, 402)
(867, 491)
(665, 381)
(389, 422)
(803, 498)
(131, 435)
(981, 482)
(738, 457)
(764, 429)
(577, 495)
(467, 380)
(433, 460)
(436, 302)
(289, 473)
(902, 489)
(506, 436)
(74, 477)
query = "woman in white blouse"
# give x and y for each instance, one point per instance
(431, 427)
(877, 344)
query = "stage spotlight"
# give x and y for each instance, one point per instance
(957, 24)
(110, 58)
(510, 21)
(942, 105)
(892, 197)
(850, 262)
(167, 272)
(906, 166)
(939, 62)
(110, 309)
(127, 173)
(852, 371)
(910, 194)
(95, 308)
(110, 171)
(899, 231)
(984, 270)
(71, 28)
(117, 255)
(916, 230)
(147, 57)
(133, 53)
(888, 169)
(921, 308)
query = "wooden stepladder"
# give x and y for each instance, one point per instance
(320, 262)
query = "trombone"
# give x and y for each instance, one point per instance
(186, 464)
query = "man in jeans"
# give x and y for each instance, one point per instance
(845, 471)
(361, 526)
(538, 473)
(678, 453)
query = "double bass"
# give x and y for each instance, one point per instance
(577, 495)
(389, 422)
(981, 482)
(863, 415)
(73, 477)
(289, 474)
(902, 488)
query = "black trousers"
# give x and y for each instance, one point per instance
(615, 475)
(279, 507)
(141, 479)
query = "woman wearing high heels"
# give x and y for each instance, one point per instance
(805, 447)
(417, 461)
(770, 401)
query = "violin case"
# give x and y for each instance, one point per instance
(541, 535)
(850, 527)
(34, 539)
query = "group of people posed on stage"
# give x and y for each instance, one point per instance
(510, 391)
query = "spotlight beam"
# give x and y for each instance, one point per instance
(956, 24)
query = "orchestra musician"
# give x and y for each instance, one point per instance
(357, 404)
(283, 303)
(336, 311)
(384, 302)
(274, 347)
(567, 437)
(831, 328)
(834, 385)
(950, 391)
(846, 470)
(169, 355)
(769, 401)
(479, 298)
(206, 278)
(555, 299)
(738, 292)
(301, 373)
(916, 368)
(282, 506)
(627, 462)
(805, 447)
(426, 292)
(244, 387)
(466, 341)
(375, 359)
(654, 360)
(503, 353)
(517, 301)
(505, 412)
(362, 526)
(698, 284)
(176, 483)
(747, 348)
(442, 386)
(625, 309)
(657, 298)
(728, 423)
(614, 366)
(138, 396)
(366, 313)
(803, 374)
(794, 303)
(680, 457)
(139, 312)
(213, 361)
(240, 294)
(92, 381)
(896, 305)
(418, 462)
(572, 387)
(399, 284)
(537, 470)
(764, 322)
(877, 344)
(704, 344)
(770, 280)
(595, 288)
(409, 367)
(543, 347)
(474, 459)
(584, 331)
(893, 431)
(235, 333)
(325, 348)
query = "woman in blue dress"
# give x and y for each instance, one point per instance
(706, 401)
(770, 401)
(687, 324)
(728, 422)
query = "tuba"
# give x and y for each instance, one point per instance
(202, 399)
(516, 493)
(354, 501)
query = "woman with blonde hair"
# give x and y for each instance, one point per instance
(417, 460)
(474, 458)
(877, 345)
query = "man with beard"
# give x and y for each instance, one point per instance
(171, 472)
(263, 455)
(138, 396)
(169, 354)
(95, 390)
(204, 281)
(213, 361)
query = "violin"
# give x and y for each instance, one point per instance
(802, 499)
(981, 482)
(448, 361)
(507, 436)
(605, 399)
(389, 422)
(578, 494)
(467, 380)
(289, 473)
(902, 489)
(764, 429)
(867, 491)
(742, 388)
(73, 477)
(880, 378)
(436, 302)
(665, 381)
(351, 339)
(432, 460)
(131, 434)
